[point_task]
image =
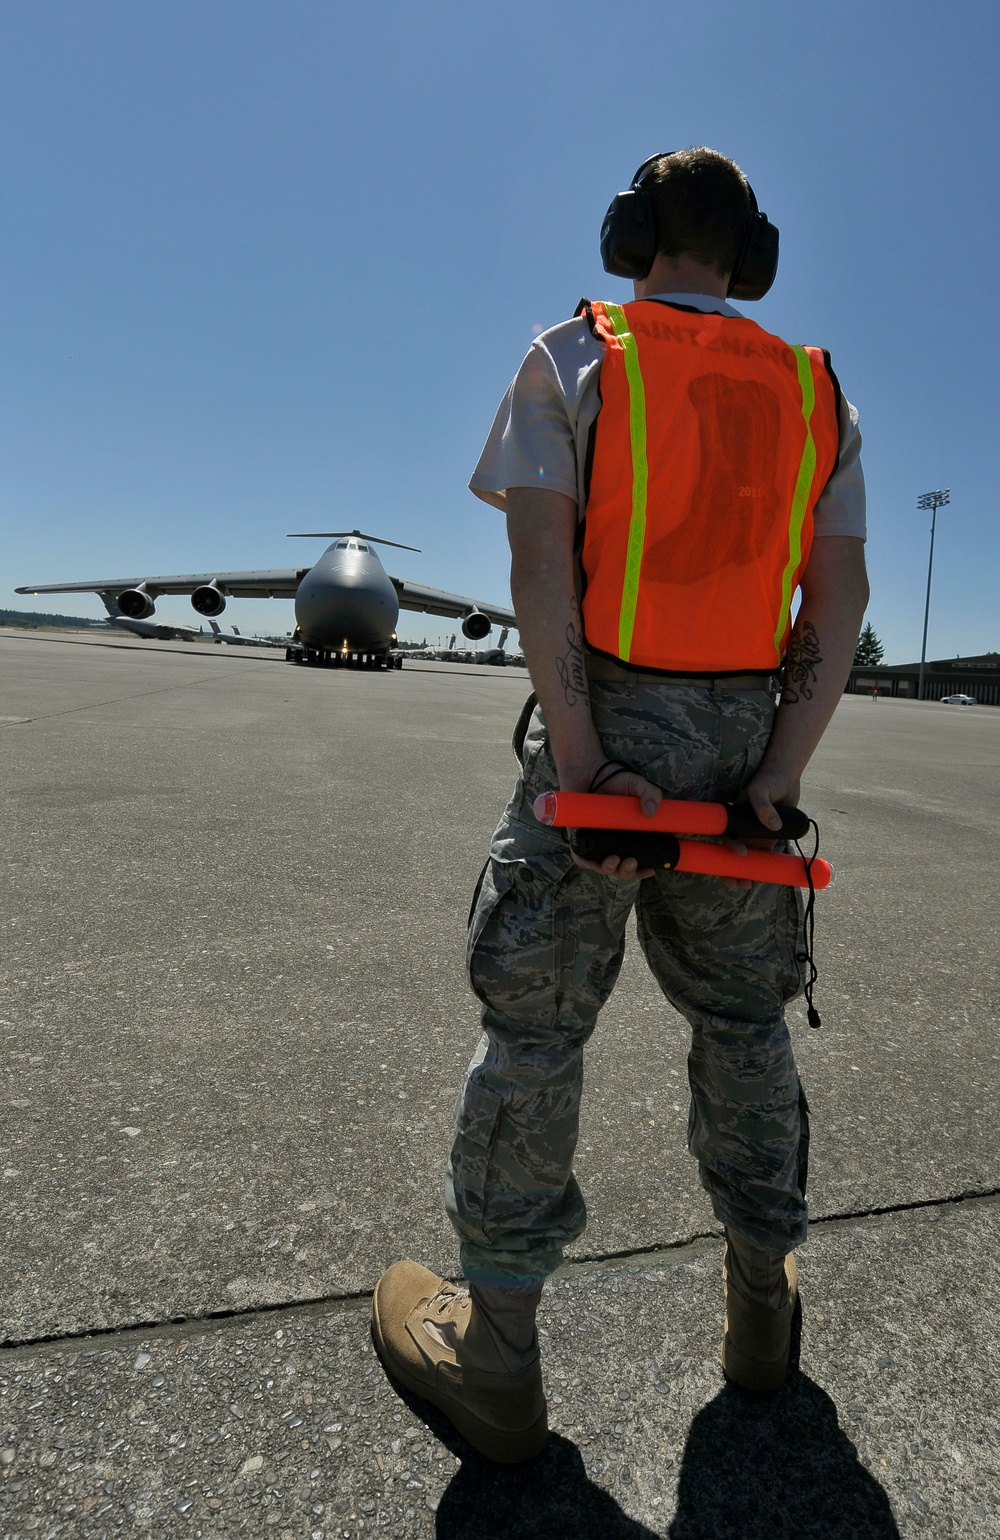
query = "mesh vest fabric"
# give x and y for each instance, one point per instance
(713, 444)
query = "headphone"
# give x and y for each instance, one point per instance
(628, 240)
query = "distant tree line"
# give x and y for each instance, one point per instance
(33, 620)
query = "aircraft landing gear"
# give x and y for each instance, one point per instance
(321, 657)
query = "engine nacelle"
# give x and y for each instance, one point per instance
(208, 600)
(136, 603)
(476, 625)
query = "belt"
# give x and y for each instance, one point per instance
(607, 669)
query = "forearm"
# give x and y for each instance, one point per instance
(544, 584)
(820, 653)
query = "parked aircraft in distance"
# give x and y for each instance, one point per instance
(235, 638)
(153, 630)
(496, 655)
(346, 604)
(149, 630)
(451, 654)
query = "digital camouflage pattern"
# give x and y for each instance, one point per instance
(546, 941)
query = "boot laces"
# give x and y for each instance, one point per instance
(447, 1300)
(445, 1319)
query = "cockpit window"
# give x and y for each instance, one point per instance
(341, 545)
(363, 547)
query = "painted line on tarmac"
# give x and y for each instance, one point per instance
(615, 1261)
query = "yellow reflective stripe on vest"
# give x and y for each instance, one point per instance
(800, 497)
(640, 479)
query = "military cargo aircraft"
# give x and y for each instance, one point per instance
(346, 604)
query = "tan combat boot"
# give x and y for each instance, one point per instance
(430, 1337)
(761, 1294)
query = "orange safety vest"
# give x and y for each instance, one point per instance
(712, 445)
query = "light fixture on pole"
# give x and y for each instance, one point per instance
(933, 501)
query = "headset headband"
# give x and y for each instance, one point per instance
(660, 155)
(628, 239)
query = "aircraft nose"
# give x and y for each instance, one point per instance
(347, 604)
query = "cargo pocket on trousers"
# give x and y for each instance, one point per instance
(493, 883)
(510, 954)
(476, 1125)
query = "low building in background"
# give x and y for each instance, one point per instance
(978, 677)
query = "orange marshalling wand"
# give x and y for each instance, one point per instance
(595, 820)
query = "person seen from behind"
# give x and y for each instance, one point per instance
(672, 476)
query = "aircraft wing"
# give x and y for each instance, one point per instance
(270, 583)
(413, 596)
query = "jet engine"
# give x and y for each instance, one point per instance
(476, 625)
(136, 603)
(208, 600)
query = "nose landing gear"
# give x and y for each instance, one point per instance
(323, 657)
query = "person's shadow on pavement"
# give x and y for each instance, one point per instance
(755, 1468)
(551, 1498)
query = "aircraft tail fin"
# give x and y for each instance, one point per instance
(346, 534)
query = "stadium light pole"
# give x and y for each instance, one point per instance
(933, 501)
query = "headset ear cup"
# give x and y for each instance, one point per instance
(628, 240)
(628, 235)
(757, 265)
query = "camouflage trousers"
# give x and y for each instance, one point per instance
(546, 942)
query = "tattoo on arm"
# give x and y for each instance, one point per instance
(801, 661)
(571, 668)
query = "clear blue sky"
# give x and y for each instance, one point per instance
(270, 266)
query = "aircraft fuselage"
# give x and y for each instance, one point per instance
(347, 600)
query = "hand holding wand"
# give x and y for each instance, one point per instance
(603, 825)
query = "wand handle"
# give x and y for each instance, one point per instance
(668, 852)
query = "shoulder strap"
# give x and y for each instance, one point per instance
(586, 309)
(836, 402)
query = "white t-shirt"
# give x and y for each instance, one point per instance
(540, 433)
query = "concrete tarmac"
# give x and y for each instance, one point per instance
(236, 1020)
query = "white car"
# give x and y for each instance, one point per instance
(958, 700)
